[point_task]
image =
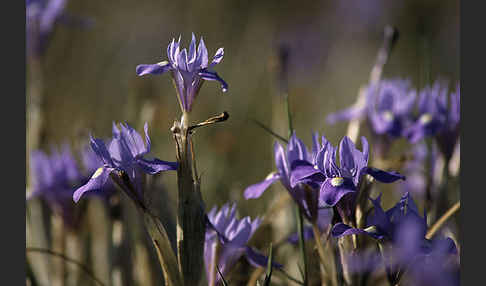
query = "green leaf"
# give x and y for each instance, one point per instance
(268, 276)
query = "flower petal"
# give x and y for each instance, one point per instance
(256, 190)
(346, 114)
(331, 192)
(257, 259)
(341, 229)
(211, 75)
(202, 55)
(155, 166)
(302, 170)
(158, 68)
(99, 148)
(383, 176)
(96, 182)
(218, 57)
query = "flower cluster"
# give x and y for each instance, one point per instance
(404, 229)
(306, 199)
(390, 109)
(339, 184)
(188, 69)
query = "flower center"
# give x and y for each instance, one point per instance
(388, 116)
(337, 181)
(97, 173)
(425, 118)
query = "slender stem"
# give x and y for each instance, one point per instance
(300, 230)
(288, 276)
(300, 219)
(214, 264)
(329, 267)
(266, 128)
(440, 222)
(289, 114)
(67, 259)
(191, 225)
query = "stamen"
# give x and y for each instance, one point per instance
(425, 118)
(97, 173)
(337, 181)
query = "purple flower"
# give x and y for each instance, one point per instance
(188, 69)
(339, 184)
(226, 241)
(388, 107)
(404, 228)
(54, 177)
(437, 118)
(125, 155)
(306, 198)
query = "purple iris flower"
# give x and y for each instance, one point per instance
(436, 117)
(189, 69)
(124, 155)
(339, 184)
(226, 241)
(404, 228)
(305, 197)
(54, 177)
(388, 107)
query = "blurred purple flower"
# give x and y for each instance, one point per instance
(388, 107)
(404, 228)
(339, 184)
(415, 169)
(54, 177)
(437, 266)
(306, 199)
(227, 238)
(124, 155)
(437, 118)
(41, 17)
(188, 69)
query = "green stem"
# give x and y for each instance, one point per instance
(191, 226)
(300, 220)
(289, 115)
(300, 230)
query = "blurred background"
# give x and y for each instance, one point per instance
(89, 76)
